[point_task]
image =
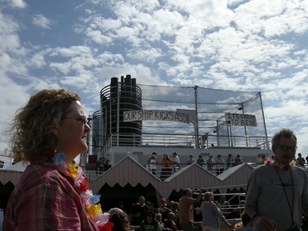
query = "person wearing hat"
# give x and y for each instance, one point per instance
(164, 209)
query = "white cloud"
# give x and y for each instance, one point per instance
(110, 59)
(98, 37)
(37, 60)
(41, 21)
(234, 45)
(8, 33)
(18, 4)
(274, 18)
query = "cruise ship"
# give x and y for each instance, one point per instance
(136, 120)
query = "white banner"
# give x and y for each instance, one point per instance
(235, 119)
(155, 115)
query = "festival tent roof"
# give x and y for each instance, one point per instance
(237, 176)
(18, 167)
(231, 172)
(129, 171)
(9, 176)
(126, 171)
(12, 173)
(192, 176)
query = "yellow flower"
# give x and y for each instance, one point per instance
(72, 170)
(93, 209)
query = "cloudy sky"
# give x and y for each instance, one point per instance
(245, 45)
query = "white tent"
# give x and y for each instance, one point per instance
(129, 171)
(18, 167)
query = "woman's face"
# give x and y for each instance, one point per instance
(72, 131)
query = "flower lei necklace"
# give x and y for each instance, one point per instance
(89, 201)
(277, 164)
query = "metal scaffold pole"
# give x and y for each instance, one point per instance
(265, 130)
(196, 122)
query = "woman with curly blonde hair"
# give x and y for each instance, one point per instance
(49, 132)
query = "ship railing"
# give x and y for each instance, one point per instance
(210, 141)
(164, 173)
(92, 173)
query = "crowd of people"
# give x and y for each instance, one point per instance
(276, 194)
(300, 161)
(180, 214)
(173, 164)
(144, 216)
(215, 165)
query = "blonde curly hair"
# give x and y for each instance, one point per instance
(33, 124)
(208, 196)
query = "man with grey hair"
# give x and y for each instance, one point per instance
(277, 193)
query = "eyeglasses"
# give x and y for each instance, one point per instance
(286, 148)
(82, 120)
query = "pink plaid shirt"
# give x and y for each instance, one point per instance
(45, 199)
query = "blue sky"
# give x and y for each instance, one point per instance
(256, 45)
